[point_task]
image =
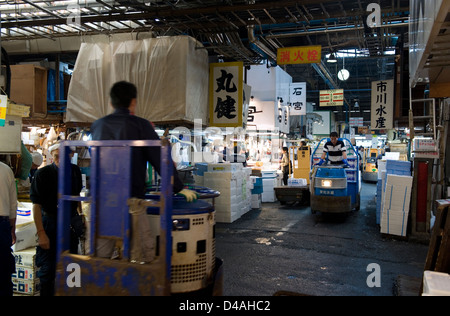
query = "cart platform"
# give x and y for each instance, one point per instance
(291, 195)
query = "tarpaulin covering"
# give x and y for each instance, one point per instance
(171, 76)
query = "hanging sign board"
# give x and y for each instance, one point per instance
(299, 55)
(226, 94)
(382, 104)
(282, 121)
(331, 97)
(298, 98)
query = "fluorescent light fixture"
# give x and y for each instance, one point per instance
(332, 59)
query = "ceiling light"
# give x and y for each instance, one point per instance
(343, 74)
(332, 59)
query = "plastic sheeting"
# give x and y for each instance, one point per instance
(171, 76)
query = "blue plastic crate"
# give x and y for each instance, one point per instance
(257, 189)
(201, 168)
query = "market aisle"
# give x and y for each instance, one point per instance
(289, 249)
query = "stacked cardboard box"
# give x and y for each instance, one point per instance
(234, 184)
(25, 281)
(395, 210)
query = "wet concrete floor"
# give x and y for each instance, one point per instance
(286, 248)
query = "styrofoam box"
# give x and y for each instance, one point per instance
(29, 287)
(227, 217)
(293, 182)
(225, 176)
(199, 180)
(394, 223)
(268, 196)
(25, 273)
(25, 257)
(224, 167)
(25, 237)
(268, 173)
(436, 283)
(269, 183)
(397, 192)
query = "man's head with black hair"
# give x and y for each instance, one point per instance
(122, 94)
(334, 137)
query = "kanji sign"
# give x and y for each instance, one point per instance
(298, 98)
(331, 97)
(299, 55)
(382, 104)
(226, 94)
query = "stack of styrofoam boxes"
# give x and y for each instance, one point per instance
(25, 281)
(386, 167)
(380, 187)
(397, 197)
(256, 192)
(231, 180)
(247, 187)
(436, 284)
(269, 180)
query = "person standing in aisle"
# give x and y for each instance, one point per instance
(337, 154)
(285, 165)
(44, 195)
(123, 125)
(8, 211)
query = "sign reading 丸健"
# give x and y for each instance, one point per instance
(226, 94)
(299, 55)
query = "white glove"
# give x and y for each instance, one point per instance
(191, 196)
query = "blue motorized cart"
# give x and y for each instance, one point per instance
(335, 189)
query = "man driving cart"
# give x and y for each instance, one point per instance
(335, 189)
(337, 154)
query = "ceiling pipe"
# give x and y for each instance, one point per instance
(261, 47)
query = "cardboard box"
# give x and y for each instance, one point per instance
(18, 110)
(29, 87)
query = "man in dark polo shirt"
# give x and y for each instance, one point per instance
(44, 195)
(124, 125)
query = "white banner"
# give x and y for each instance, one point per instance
(297, 98)
(382, 111)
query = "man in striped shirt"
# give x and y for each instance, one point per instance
(335, 148)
